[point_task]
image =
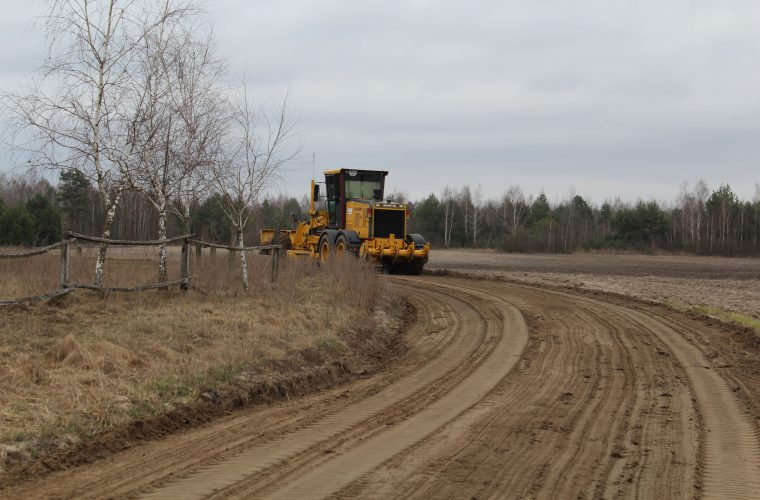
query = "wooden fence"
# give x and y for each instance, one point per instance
(185, 281)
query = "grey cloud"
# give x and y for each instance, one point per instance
(614, 98)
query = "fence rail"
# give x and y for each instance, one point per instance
(185, 282)
(36, 298)
(36, 251)
(233, 248)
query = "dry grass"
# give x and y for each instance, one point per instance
(722, 315)
(90, 363)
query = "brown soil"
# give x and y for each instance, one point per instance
(723, 283)
(673, 266)
(506, 390)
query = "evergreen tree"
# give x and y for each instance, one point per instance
(16, 226)
(427, 219)
(645, 223)
(74, 199)
(539, 210)
(212, 223)
(47, 220)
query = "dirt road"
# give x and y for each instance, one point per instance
(506, 391)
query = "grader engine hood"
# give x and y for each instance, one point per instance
(388, 219)
(389, 244)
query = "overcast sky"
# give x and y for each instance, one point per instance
(624, 98)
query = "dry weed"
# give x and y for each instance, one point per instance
(89, 362)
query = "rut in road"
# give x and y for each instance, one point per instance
(592, 400)
(594, 409)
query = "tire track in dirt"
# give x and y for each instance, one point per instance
(561, 424)
(731, 465)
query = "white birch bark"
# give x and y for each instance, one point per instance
(162, 273)
(243, 259)
(100, 262)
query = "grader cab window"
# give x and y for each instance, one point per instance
(364, 186)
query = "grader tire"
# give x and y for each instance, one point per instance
(414, 267)
(324, 249)
(341, 245)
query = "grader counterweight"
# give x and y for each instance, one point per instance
(354, 219)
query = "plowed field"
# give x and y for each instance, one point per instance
(505, 391)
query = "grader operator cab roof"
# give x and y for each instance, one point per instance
(349, 170)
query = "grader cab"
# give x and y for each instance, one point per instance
(353, 218)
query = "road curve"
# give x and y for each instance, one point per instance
(506, 391)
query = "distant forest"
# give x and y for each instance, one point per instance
(35, 212)
(700, 221)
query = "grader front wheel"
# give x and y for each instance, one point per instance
(324, 249)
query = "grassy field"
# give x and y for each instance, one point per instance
(89, 363)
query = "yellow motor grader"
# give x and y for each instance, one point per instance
(355, 219)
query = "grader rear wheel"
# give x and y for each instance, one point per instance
(341, 245)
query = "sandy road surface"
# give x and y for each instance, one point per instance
(506, 391)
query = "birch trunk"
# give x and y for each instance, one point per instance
(99, 264)
(445, 226)
(243, 258)
(162, 274)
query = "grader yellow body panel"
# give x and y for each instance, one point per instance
(352, 217)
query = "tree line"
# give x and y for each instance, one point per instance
(34, 212)
(700, 221)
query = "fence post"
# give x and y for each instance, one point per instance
(280, 255)
(63, 279)
(274, 257)
(185, 285)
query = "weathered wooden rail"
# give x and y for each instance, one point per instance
(185, 282)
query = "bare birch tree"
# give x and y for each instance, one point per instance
(447, 200)
(515, 209)
(73, 116)
(477, 205)
(701, 192)
(465, 201)
(178, 119)
(256, 150)
(202, 111)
